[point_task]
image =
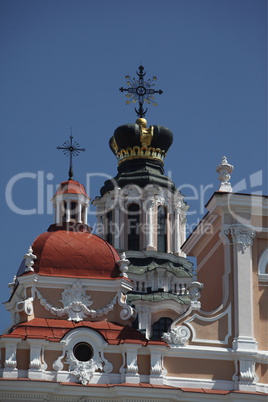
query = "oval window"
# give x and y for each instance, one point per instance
(83, 352)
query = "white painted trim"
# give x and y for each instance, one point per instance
(195, 237)
(184, 382)
(208, 255)
(211, 319)
(262, 265)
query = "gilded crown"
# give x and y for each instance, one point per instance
(137, 141)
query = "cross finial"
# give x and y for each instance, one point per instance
(69, 149)
(141, 91)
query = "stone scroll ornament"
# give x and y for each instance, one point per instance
(177, 336)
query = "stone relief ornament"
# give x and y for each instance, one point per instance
(74, 299)
(177, 336)
(84, 370)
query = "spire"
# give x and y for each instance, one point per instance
(141, 91)
(225, 170)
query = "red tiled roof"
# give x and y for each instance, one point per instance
(75, 254)
(54, 330)
(71, 187)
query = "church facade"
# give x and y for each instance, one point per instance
(123, 316)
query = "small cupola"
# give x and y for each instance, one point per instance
(70, 203)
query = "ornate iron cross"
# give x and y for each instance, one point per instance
(141, 91)
(71, 149)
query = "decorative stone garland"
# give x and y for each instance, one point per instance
(76, 304)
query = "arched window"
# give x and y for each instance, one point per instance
(159, 327)
(109, 221)
(162, 229)
(133, 227)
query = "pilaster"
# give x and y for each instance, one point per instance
(35, 369)
(131, 375)
(157, 370)
(10, 364)
(242, 237)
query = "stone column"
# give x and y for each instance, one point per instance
(150, 225)
(68, 210)
(79, 212)
(176, 226)
(58, 212)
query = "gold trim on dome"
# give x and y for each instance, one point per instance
(140, 152)
(114, 145)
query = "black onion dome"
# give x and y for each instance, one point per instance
(162, 138)
(127, 135)
(137, 141)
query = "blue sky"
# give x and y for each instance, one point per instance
(62, 63)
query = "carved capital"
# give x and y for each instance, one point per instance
(243, 236)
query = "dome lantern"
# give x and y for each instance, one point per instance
(70, 203)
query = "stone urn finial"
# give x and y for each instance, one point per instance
(225, 170)
(123, 265)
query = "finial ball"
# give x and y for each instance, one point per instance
(141, 122)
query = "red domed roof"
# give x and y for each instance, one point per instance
(74, 254)
(71, 187)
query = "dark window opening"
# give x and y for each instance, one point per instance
(162, 229)
(109, 222)
(83, 352)
(64, 209)
(159, 327)
(133, 227)
(73, 210)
